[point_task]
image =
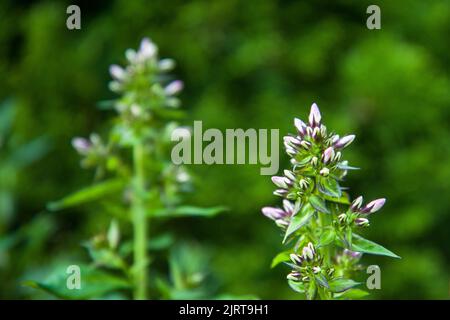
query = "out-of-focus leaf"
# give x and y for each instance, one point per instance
(88, 194)
(189, 211)
(94, 284)
(360, 244)
(341, 284)
(299, 220)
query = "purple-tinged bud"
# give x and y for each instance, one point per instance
(291, 140)
(311, 247)
(291, 151)
(295, 258)
(344, 141)
(147, 49)
(289, 174)
(81, 145)
(324, 172)
(328, 154)
(334, 138)
(314, 116)
(280, 192)
(174, 87)
(315, 133)
(117, 72)
(362, 222)
(352, 254)
(373, 206)
(356, 204)
(288, 207)
(280, 181)
(294, 276)
(273, 213)
(301, 126)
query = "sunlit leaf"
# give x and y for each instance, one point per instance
(341, 284)
(363, 245)
(299, 220)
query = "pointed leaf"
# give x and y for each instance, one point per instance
(318, 204)
(279, 258)
(327, 237)
(363, 245)
(322, 281)
(297, 286)
(352, 294)
(330, 187)
(299, 220)
(341, 284)
(189, 211)
(88, 194)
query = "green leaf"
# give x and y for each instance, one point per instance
(322, 281)
(344, 199)
(341, 284)
(327, 237)
(189, 211)
(329, 186)
(94, 284)
(363, 245)
(352, 294)
(88, 194)
(318, 204)
(297, 286)
(299, 220)
(279, 258)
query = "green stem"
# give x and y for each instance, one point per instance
(139, 224)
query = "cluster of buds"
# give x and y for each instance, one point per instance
(93, 150)
(142, 72)
(357, 215)
(281, 216)
(306, 264)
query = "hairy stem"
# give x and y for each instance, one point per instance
(139, 225)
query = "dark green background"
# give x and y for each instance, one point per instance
(245, 64)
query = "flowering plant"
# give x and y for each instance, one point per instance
(317, 218)
(137, 184)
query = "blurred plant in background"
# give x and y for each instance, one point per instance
(248, 66)
(136, 183)
(317, 216)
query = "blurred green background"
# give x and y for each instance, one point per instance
(245, 64)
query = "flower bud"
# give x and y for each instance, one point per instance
(280, 192)
(280, 181)
(81, 145)
(362, 222)
(314, 116)
(308, 252)
(147, 49)
(294, 276)
(356, 204)
(316, 269)
(117, 72)
(289, 174)
(303, 183)
(344, 141)
(296, 259)
(281, 223)
(174, 87)
(301, 126)
(273, 213)
(327, 155)
(289, 207)
(373, 206)
(342, 217)
(314, 161)
(305, 144)
(166, 64)
(324, 172)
